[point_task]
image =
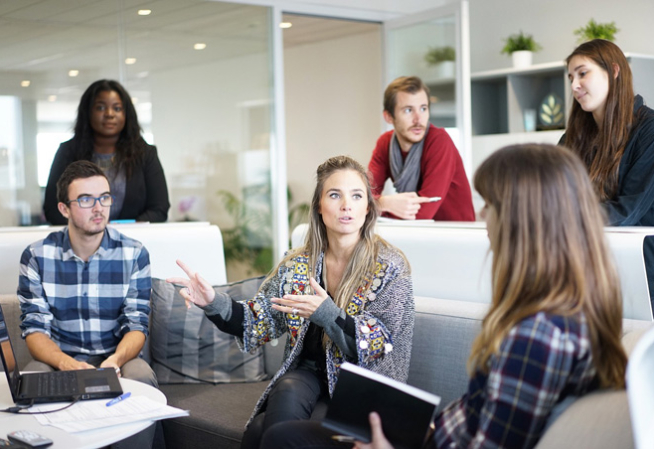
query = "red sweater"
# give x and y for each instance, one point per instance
(441, 174)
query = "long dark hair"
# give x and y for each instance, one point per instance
(602, 148)
(130, 148)
(549, 252)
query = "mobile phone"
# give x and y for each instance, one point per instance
(29, 438)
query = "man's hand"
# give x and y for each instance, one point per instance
(46, 351)
(70, 364)
(379, 441)
(111, 362)
(403, 205)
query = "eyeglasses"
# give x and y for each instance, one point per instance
(87, 202)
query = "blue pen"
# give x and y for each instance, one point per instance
(115, 401)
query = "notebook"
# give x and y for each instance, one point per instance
(58, 386)
(406, 412)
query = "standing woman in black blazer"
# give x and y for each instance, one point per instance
(107, 132)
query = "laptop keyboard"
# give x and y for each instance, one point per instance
(58, 383)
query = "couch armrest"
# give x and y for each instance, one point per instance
(599, 420)
(11, 311)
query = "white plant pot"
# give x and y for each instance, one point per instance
(446, 69)
(521, 59)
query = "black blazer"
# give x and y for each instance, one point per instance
(146, 192)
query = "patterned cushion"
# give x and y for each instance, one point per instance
(188, 348)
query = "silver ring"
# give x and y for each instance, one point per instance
(295, 311)
(188, 291)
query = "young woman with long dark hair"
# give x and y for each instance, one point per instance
(612, 131)
(107, 132)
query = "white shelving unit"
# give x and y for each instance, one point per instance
(500, 98)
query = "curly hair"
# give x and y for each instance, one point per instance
(130, 148)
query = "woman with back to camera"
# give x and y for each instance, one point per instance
(107, 133)
(346, 295)
(555, 319)
(613, 132)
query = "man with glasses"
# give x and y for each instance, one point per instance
(84, 291)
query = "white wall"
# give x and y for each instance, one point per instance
(552, 23)
(333, 105)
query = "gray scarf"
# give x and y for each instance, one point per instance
(406, 173)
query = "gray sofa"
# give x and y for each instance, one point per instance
(443, 336)
(451, 280)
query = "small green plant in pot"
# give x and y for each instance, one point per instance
(442, 60)
(520, 46)
(594, 30)
(436, 55)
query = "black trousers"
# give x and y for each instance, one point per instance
(300, 435)
(299, 395)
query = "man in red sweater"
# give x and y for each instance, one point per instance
(420, 159)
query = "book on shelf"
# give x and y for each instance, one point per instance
(406, 412)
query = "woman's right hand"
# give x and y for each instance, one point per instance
(379, 440)
(195, 289)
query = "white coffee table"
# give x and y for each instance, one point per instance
(81, 440)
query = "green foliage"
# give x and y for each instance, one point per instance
(250, 241)
(594, 30)
(440, 54)
(520, 42)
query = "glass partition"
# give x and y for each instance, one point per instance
(434, 46)
(200, 75)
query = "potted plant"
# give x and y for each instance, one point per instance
(443, 59)
(594, 30)
(521, 47)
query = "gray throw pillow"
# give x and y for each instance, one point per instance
(188, 348)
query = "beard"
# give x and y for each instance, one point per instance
(88, 227)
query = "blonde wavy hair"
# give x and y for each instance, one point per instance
(364, 258)
(549, 252)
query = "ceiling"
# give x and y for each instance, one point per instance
(43, 39)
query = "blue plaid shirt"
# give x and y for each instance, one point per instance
(85, 307)
(542, 360)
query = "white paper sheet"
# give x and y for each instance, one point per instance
(89, 415)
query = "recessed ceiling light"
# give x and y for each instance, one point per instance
(199, 46)
(52, 98)
(130, 61)
(285, 25)
(144, 12)
(73, 73)
(25, 83)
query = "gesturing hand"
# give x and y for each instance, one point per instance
(196, 289)
(403, 205)
(302, 305)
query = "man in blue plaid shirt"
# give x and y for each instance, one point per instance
(84, 291)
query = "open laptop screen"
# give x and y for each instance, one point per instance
(8, 357)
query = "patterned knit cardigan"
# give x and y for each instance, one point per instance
(382, 308)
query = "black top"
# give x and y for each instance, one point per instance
(146, 192)
(633, 204)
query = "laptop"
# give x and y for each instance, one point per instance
(58, 386)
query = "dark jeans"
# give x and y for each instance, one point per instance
(300, 435)
(298, 395)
